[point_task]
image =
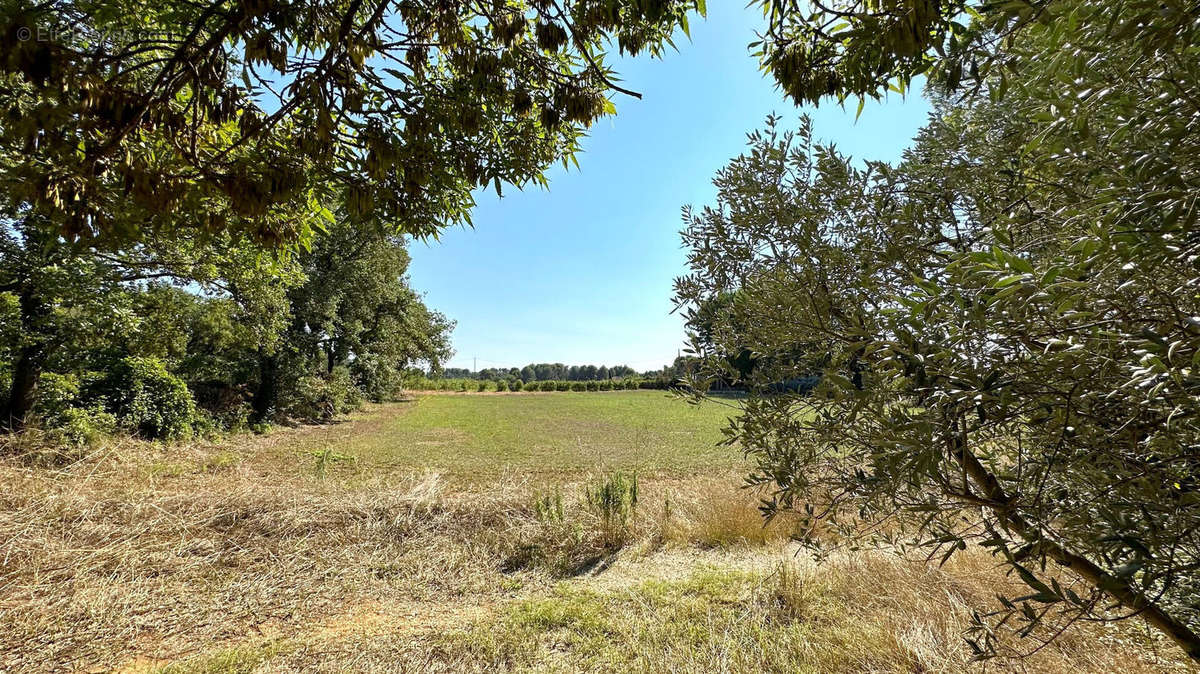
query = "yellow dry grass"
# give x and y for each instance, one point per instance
(261, 555)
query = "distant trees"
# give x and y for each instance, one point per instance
(543, 372)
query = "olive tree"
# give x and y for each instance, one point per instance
(1006, 322)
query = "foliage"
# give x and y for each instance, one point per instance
(320, 398)
(241, 117)
(58, 411)
(147, 399)
(1002, 321)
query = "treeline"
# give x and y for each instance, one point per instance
(180, 340)
(465, 385)
(543, 372)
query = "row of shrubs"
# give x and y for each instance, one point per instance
(472, 385)
(142, 397)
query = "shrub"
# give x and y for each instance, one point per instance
(606, 385)
(376, 377)
(149, 400)
(462, 385)
(546, 386)
(578, 386)
(630, 384)
(316, 398)
(562, 386)
(80, 427)
(56, 393)
(501, 386)
(592, 385)
(530, 386)
(483, 384)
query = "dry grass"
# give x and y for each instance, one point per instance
(265, 554)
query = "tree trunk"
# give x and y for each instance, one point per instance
(268, 386)
(28, 366)
(24, 386)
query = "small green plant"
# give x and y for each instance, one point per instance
(593, 385)
(562, 386)
(578, 386)
(614, 499)
(546, 386)
(328, 457)
(501, 386)
(530, 386)
(483, 384)
(549, 507)
(606, 385)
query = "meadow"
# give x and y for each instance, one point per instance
(470, 532)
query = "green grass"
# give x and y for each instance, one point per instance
(726, 620)
(644, 431)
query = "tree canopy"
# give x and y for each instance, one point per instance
(254, 118)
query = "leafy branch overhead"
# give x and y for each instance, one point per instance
(121, 116)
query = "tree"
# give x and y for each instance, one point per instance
(123, 115)
(70, 294)
(354, 309)
(1004, 319)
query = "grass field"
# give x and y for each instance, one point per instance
(456, 533)
(647, 431)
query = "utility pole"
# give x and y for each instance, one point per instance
(474, 363)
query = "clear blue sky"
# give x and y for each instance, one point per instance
(582, 273)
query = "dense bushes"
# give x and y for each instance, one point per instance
(317, 398)
(148, 400)
(59, 410)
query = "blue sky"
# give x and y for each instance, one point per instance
(582, 273)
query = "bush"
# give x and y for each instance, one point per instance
(80, 427)
(150, 401)
(530, 386)
(562, 386)
(578, 386)
(501, 386)
(592, 385)
(483, 384)
(376, 377)
(546, 386)
(630, 384)
(59, 411)
(56, 393)
(316, 398)
(606, 385)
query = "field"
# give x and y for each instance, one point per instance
(467, 533)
